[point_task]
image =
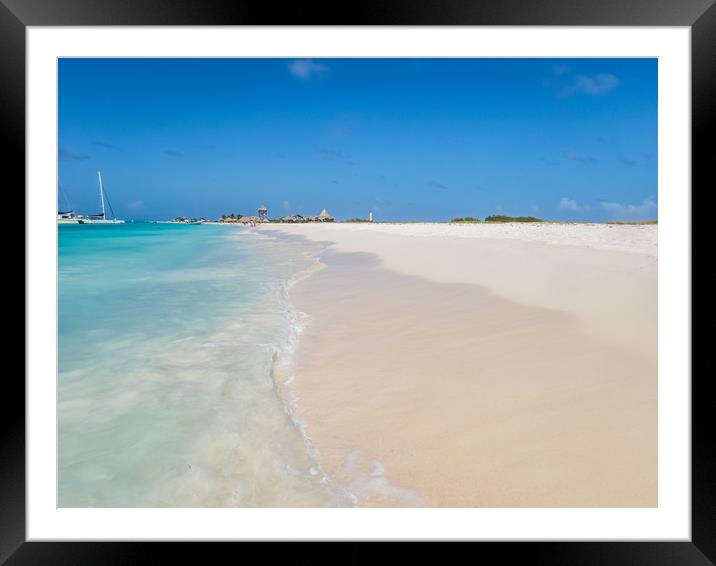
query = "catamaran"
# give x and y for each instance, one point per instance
(101, 217)
(67, 216)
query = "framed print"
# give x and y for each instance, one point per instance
(421, 275)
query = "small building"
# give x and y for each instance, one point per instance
(263, 212)
(325, 217)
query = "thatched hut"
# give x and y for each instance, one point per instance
(292, 219)
(325, 217)
(252, 219)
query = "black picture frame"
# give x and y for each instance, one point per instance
(699, 15)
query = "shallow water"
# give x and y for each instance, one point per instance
(168, 336)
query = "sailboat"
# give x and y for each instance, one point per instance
(101, 217)
(67, 216)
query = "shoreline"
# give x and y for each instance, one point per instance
(562, 263)
(283, 374)
(382, 435)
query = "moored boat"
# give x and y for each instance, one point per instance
(101, 217)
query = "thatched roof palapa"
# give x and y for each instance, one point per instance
(250, 219)
(324, 216)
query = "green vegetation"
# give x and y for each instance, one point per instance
(357, 220)
(632, 222)
(498, 218)
(502, 218)
(466, 219)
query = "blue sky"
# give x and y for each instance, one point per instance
(408, 139)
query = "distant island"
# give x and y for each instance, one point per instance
(501, 218)
(498, 218)
(466, 219)
(262, 217)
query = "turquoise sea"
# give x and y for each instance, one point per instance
(168, 336)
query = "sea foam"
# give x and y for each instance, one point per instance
(170, 342)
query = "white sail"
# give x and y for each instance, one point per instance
(101, 194)
(101, 218)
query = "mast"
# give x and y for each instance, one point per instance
(101, 194)
(68, 204)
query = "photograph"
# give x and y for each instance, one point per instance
(426, 282)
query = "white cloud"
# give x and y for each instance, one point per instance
(306, 68)
(571, 204)
(595, 85)
(636, 211)
(136, 204)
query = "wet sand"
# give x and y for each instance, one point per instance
(450, 394)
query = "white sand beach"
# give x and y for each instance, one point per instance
(483, 365)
